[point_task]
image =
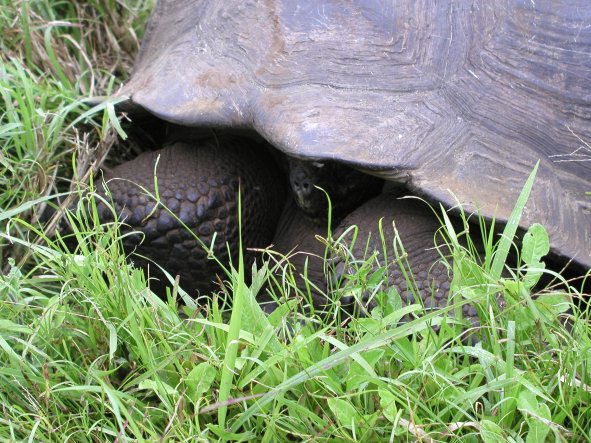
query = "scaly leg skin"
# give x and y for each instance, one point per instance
(199, 182)
(296, 239)
(416, 225)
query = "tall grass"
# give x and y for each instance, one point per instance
(53, 56)
(89, 353)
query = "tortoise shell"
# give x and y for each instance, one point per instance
(458, 100)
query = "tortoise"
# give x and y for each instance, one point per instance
(453, 101)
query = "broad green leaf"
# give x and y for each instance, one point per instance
(536, 414)
(552, 304)
(157, 387)
(388, 404)
(224, 435)
(536, 244)
(344, 412)
(358, 375)
(491, 432)
(376, 278)
(255, 321)
(199, 380)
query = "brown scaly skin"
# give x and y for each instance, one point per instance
(199, 182)
(416, 225)
(350, 191)
(296, 239)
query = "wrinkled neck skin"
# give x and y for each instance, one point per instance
(346, 188)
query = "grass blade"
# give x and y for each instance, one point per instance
(511, 226)
(232, 341)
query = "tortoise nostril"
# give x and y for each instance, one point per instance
(301, 185)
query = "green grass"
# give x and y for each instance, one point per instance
(88, 353)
